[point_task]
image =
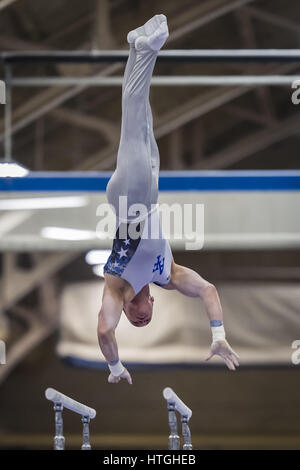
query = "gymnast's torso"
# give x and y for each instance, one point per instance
(140, 253)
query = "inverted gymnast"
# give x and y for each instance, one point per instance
(137, 260)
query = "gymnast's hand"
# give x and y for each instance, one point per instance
(112, 379)
(224, 350)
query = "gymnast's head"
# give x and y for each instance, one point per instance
(139, 310)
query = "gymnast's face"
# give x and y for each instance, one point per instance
(139, 310)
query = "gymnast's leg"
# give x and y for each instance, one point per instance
(155, 159)
(138, 158)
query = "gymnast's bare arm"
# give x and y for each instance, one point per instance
(191, 284)
(108, 319)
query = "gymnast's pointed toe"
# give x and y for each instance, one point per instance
(159, 34)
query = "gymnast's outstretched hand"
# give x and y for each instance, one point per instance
(112, 379)
(225, 351)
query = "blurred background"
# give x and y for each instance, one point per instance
(50, 294)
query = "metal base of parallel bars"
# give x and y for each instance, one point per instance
(186, 434)
(85, 433)
(175, 404)
(59, 440)
(60, 401)
(174, 439)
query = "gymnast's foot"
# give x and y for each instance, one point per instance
(153, 34)
(134, 34)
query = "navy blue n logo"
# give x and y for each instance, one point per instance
(159, 265)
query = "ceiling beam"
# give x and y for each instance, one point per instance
(34, 336)
(13, 43)
(273, 19)
(175, 149)
(171, 121)
(83, 121)
(247, 114)
(250, 145)
(48, 100)
(202, 15)
(102, 38)
(39, 147)
(6, 3)
(16, 283)
(179, 116)
(247, 33)
(198, 141)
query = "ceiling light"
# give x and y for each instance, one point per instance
(97, 256)
(43, 203)
(9, 169)
(62, 233)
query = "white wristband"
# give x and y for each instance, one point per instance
(117, 369)
(218, 333)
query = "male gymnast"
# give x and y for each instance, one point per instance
(137, 260)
